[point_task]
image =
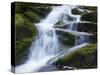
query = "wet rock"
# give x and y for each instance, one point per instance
(65, 38)
(47, 68)
(87, 27)
(83, 58)
(89, 8)
(75, 11)
(62, 67)
(92, 17)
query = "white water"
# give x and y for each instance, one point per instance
(80, 37)
(46, 45)
(67, 52)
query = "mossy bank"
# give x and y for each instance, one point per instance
(82, 58)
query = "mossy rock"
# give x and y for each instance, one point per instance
(65, 38)
(24, 28)
(33, 17)
(25, 33)
(26, 15)
(87, 27)
(24, 37)
(75, 11)
(19, 18)
(93, 38)
(83, 10)
(90, 8)
(22, 50)
(32, 9)
(92, 17)
(20, 7)
(83, 58)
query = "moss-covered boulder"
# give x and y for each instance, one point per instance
(65, 38)
(83, 58)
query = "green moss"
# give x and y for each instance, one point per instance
(85, 57)
(69, 40)
(25, 33)
(59, 23)
(88, 49)
(26, 15)
(20, 7)
(32, 16)
(65, 38)
(19, 18)
(21, 45)
(22, 49)
(25, 30)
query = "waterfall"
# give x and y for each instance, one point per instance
(73, 25)
(46, 45)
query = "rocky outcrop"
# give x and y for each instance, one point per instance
(66, 39)
(83, 58)
(92, 17)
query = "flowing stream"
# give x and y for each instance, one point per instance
(46, 47)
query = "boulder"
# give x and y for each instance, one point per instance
(65, 38)
(83, 58)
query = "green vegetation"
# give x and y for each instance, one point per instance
(85, 57)
(25, 32)
(26, 15)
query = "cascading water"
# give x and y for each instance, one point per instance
(46, 45)
(73, 25)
